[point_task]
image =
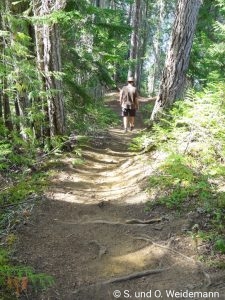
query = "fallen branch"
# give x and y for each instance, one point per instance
(6, 206)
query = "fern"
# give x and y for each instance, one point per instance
(17, 278)
(193, 140)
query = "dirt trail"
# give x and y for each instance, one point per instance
(85, 232)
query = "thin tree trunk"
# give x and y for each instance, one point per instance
(143, 37)
(7, 111)
(1, 113)
(135, 40)
(173, 78)
(17, 110)
(5, 98)
(2, 51)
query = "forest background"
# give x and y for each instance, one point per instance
(59, 58)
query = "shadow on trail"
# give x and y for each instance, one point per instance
(65, 242)
(86, 232)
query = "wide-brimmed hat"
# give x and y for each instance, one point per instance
(130, 79)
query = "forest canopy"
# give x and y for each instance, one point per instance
(59, 58)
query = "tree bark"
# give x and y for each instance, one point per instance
(49, 64)
(1, 113)
(5, 6)
(143, 40)
(6, 109)
(177, 61)
(156, 44)
(135, 40)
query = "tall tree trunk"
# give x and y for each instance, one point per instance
(156, 43)
(173, 78)
(5, 7)
(1, 55)
(1, 102)
(135, 40)
(7, 110)
(52, 63)
(49, 63)
(143, 38)
(17, 111)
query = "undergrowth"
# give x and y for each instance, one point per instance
(192, 135)
(15, 280)
(92, 118)
(22, 183)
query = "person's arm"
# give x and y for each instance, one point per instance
(136, 101)
(138, 105)
(121, 96)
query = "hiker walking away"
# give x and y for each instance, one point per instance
(129, 103)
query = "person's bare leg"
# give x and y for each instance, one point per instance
(125, 123)
(131, 120)
(128, 121)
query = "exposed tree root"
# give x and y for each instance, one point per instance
(147, 239)
(134, 275)
(206, 275)
(88, 222)
(131, 276)
(127, 222)
(137, 221)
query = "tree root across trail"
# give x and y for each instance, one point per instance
(125, 278)
(127, 222)
(149, 272)
(201, 267)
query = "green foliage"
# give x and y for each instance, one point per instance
(220, 245)
(191, 141)
(23, 187)
(5, 150)
(145, 109)
(15, 279)
(92, 118)
(15, 151)
(78, 161)
(142, 142)
(98, 45)
(208, 54)
(178, 183)
(94, 43)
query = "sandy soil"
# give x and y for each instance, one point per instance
(86, 232)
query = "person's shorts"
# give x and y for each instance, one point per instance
(128, 112)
